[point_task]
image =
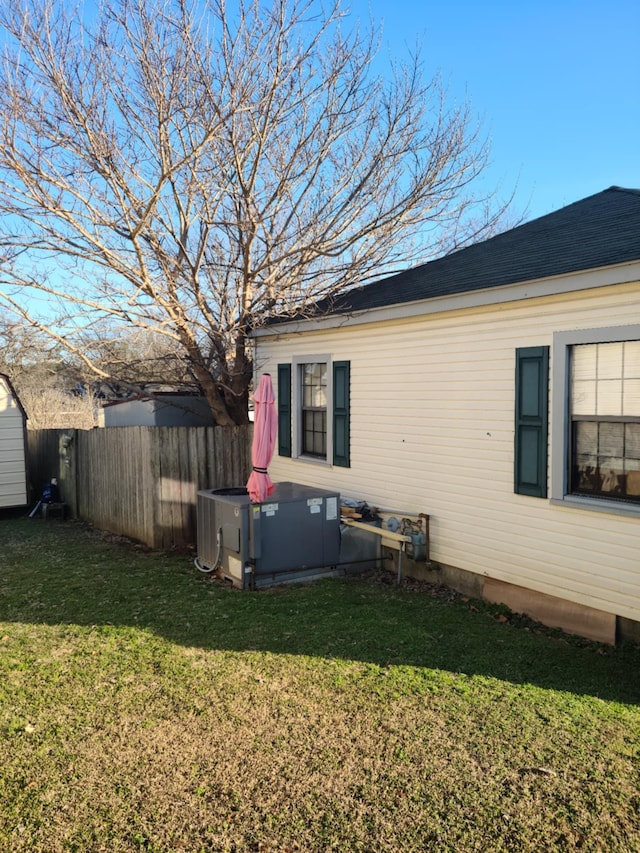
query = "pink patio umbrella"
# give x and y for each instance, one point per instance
(265, 425)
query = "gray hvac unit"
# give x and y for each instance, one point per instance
(293, 535)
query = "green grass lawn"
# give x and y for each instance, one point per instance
(144, 707)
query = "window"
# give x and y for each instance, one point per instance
(313, 409)
(605, 419)
(596, 424)
(313, 379)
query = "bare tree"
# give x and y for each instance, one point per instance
(193, 167)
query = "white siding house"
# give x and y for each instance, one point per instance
(497, 390)
(13, 475)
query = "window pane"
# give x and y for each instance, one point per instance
(318, 373)
(609, 361)
(611, 439)
(631, 397)
(583, 362)
(583, 397)
(632, 360)
(314, 434)
(584, 467)
(307, 396)
(314, 383)
(315, 374)
(586, 441)
(320, 396)
(632, 460)
(308, 433)
(584, 474)
(633, 484)
(309, 371)
(632, 441)
(609, 397)
(612, 476)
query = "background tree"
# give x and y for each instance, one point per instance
(58, 391)
(136, 360)
(52, 390)
(192, 168)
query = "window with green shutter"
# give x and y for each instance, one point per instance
(531, 421)
(313, 413)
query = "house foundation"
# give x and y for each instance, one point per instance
(552, 611)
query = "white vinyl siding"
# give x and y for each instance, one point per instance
(12, 451)
(432, 430)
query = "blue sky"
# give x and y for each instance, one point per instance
(556, 84)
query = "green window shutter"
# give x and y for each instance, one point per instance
(531, 421)
(341, 370)
(284, 410)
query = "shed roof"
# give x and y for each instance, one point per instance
(4, 378)
(598, 231)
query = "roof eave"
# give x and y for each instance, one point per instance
(551, 286)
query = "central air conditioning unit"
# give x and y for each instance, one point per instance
(294, 535)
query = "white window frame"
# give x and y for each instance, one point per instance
(296, 408)
(561, 385)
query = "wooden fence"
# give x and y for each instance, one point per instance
(140, 482)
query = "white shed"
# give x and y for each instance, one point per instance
(497, 390)
(13, 457)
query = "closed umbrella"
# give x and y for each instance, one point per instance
(265, 425)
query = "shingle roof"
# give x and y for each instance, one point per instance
(599, 231)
